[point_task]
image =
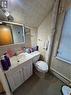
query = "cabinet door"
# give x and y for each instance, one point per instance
(18, 78)
(27, 69)
(9, 76)
(15, 78)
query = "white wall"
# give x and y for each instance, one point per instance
(44, 31)
(33, 37)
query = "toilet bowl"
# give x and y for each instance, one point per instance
(41, 68)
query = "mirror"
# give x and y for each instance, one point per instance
(11, 33)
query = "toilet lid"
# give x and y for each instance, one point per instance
(66, 90)
(42, 65)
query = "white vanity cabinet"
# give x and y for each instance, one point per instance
(22, 70)
(19, 74)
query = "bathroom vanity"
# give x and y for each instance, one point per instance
(21, 69)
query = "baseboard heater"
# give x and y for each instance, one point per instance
(60, 76)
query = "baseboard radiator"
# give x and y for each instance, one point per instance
(60, 76)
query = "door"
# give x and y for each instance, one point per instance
(9, 76)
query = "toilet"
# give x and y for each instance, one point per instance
(66, 90)
(41, 68)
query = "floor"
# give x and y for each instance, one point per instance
(2, 93)
(35, 86)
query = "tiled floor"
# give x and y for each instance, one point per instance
(35, 86)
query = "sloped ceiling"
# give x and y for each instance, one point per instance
(2, 15)
(30, 12)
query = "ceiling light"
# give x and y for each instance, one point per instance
(4, 4)
(7, 13)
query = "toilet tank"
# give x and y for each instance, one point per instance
(35, 56)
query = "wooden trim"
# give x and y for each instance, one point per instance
(60, 34)
(53, 28)
(1, 88)
(11, 23)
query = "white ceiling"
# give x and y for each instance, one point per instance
(30, 12)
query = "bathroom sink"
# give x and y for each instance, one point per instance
(19, 59)
(26, 56)
(23, 57)
(13, 61)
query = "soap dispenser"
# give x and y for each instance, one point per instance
(4, 63)
(8, 60)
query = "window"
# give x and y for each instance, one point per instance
(64, 50)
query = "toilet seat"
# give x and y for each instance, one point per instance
(41, 66)
(66, 90)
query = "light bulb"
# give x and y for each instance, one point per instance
(7, 13)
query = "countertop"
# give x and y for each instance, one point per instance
(21, 58)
